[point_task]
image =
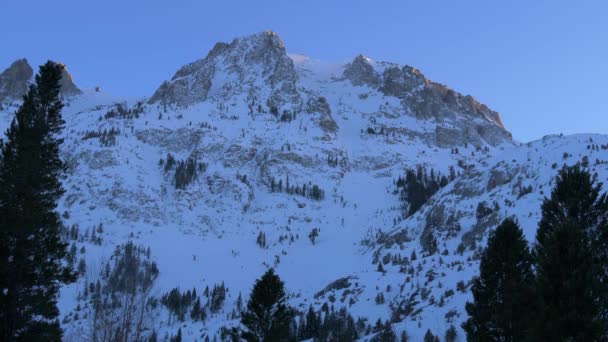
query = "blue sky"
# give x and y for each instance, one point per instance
(543, 65)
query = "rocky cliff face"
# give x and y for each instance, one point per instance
(68, 88)
(474, 122)
(14, 80)
(241, 68)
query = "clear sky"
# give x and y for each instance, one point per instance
(543, 65)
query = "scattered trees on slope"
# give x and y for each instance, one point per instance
(417, 186)
(311, 191)
(121, 300)
(186, 171)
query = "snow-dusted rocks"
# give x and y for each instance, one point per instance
(461, 119)
(361, 72)
(242, 67)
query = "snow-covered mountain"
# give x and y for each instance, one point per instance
(199, 172)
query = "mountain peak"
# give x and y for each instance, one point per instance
(265, 38)
(14, 80)
(361, 72)
(242, 66)
(68, 88)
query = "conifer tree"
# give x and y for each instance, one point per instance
(429, 337)
(32, 265)
(268, 316)
(386, 334)
(502, 291)
(571, 270)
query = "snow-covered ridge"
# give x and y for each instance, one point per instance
(258, 69)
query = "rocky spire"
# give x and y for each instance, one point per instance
(14, 80)
(68, 88)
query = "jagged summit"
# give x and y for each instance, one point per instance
(257, 70)
(430, 99)
(68, 88)
(15, 79)
(245, 66)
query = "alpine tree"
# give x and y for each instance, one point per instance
(503, 290)
(32, 265)
(570, 260)
(386, 334)
(267, 316)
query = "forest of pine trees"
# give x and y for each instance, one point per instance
(311, 191)
(557, 291)
(186, 171)
(417, 186)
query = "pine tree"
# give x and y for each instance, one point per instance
(429, 337)
(570, 263)
(311, 328)
(32, 265)
(386, 334)
(451, 334)
(567, 308)
(178, 337)
(268, 316)
(502, 291)
(195, 313)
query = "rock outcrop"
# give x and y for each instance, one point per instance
(68, 88)
(361, 72)
(14, 80)
(470, 121)
(242, 67)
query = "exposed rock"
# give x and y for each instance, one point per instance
(470, 238)
(68, 88)
(398, 82)
(361, 72)
(475, 133)
(326, 121)
(14, 80)
(434, 221)
(178, 140)
(336, 285)
(243, 64)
